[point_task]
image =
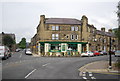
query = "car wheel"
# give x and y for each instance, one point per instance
(5, 58)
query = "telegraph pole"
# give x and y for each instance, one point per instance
(110, 58)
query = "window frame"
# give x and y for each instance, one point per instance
(55, 28)
(55, 36)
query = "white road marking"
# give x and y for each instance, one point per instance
(84, 78)
(45, 64)
(90, 74)
(30, 73)
(84, 74)
(20, 55)
(93, 78)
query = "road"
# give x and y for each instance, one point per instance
(21, 66)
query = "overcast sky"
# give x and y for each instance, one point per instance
(22, 17)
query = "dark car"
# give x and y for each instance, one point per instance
(105, 53)
(112, 52)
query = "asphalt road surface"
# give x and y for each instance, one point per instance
(21, 66)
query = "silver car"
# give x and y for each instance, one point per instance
(117, 53)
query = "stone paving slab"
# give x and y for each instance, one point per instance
(98, 67)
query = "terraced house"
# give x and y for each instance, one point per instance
(69, 37)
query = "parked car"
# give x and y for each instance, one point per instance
(96, 53)
(18, 49)
(117, 53)
(4, 52)
(102, 52)
(105, 53)
(28, 51)
(87, 53)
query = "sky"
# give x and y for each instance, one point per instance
(21, 17)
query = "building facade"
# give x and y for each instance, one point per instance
(9, 34)
(69, 37)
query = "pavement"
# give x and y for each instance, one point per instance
(99, 67)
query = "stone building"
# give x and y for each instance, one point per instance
(11, 35)
(68, 36)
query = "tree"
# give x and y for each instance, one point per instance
(8, 41)
(22, 43)
(117, 33)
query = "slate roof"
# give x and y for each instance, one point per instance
(63, 21)
(91, 26)
(105, 33)
(110, 34)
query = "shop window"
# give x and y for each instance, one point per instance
(63, 47)
(73, 47)
(55, 47)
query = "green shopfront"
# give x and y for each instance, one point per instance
(62, 48)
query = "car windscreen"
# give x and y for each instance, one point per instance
(118, 51)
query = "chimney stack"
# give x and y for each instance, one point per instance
(110, 30)
(42, 18)
(103, 29)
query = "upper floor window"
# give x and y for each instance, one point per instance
(74, 28)
(74, 37)
(105, 41)
(55, 27)
(93, 31)
(55, 36)
(88, 29)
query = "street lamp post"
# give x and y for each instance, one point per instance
(110, 58)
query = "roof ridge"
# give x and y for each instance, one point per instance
(62, 18)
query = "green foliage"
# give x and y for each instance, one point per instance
(8, 41)
(22, 43)
(117, 33)
(117, 64)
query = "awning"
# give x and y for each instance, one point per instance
(57, 42)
